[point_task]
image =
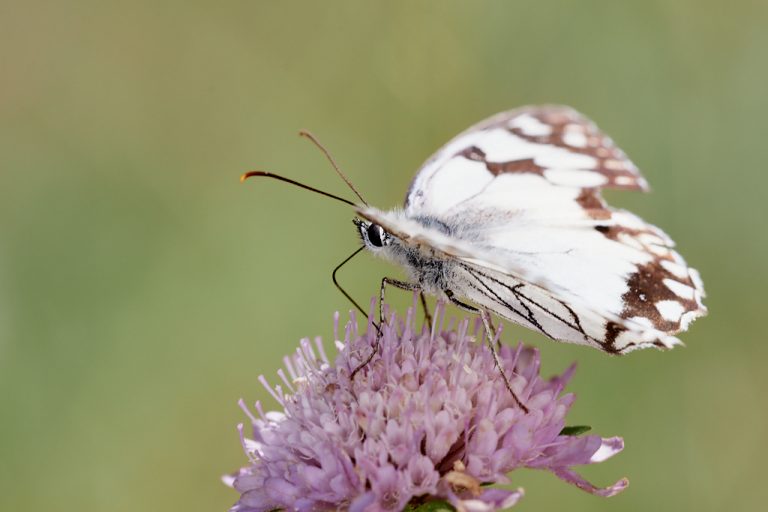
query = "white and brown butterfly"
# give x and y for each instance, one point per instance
(507, 218)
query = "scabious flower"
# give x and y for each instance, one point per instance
(428, 418)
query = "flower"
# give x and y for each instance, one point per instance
(428, 418)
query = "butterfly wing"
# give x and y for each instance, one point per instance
(555, 143)
(535, 242)
(542, 310)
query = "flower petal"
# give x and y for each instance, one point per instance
(610, 447)
(570, 476)
(489, 500)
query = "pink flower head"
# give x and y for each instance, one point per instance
(428, 418)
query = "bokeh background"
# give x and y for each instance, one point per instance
(143, 289)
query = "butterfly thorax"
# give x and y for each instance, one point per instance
(429, 268)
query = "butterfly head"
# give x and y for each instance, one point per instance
(373, 235)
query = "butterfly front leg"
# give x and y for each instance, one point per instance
(491, 334)
(427, 314)
(403, 285)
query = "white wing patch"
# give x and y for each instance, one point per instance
(529, 236)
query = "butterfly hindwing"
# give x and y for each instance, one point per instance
(580, 287)
(536, 308)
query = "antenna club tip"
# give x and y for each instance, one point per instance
(248, 174)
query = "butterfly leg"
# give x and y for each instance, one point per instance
(427, 314)
(490, 333)
(403, 285)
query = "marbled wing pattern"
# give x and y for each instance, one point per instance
(514, 205)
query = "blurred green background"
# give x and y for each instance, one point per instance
(143, 288)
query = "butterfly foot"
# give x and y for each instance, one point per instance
(427, 314)
(491, 334)
(367, 360)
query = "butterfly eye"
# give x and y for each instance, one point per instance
(376, 235)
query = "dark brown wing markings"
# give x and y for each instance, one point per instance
(646, 288)
(564, 122)
(523, 165)
(612, 162)
(612, 331)
(589, 199)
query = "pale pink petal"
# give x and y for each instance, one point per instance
(610, 447)
(570, 476)
(489, 500)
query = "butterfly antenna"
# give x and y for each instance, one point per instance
(308, 135)
(268, 174)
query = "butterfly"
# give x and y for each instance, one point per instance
(508, 219)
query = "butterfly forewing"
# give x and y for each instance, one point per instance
(538, 309)
(556, 143)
